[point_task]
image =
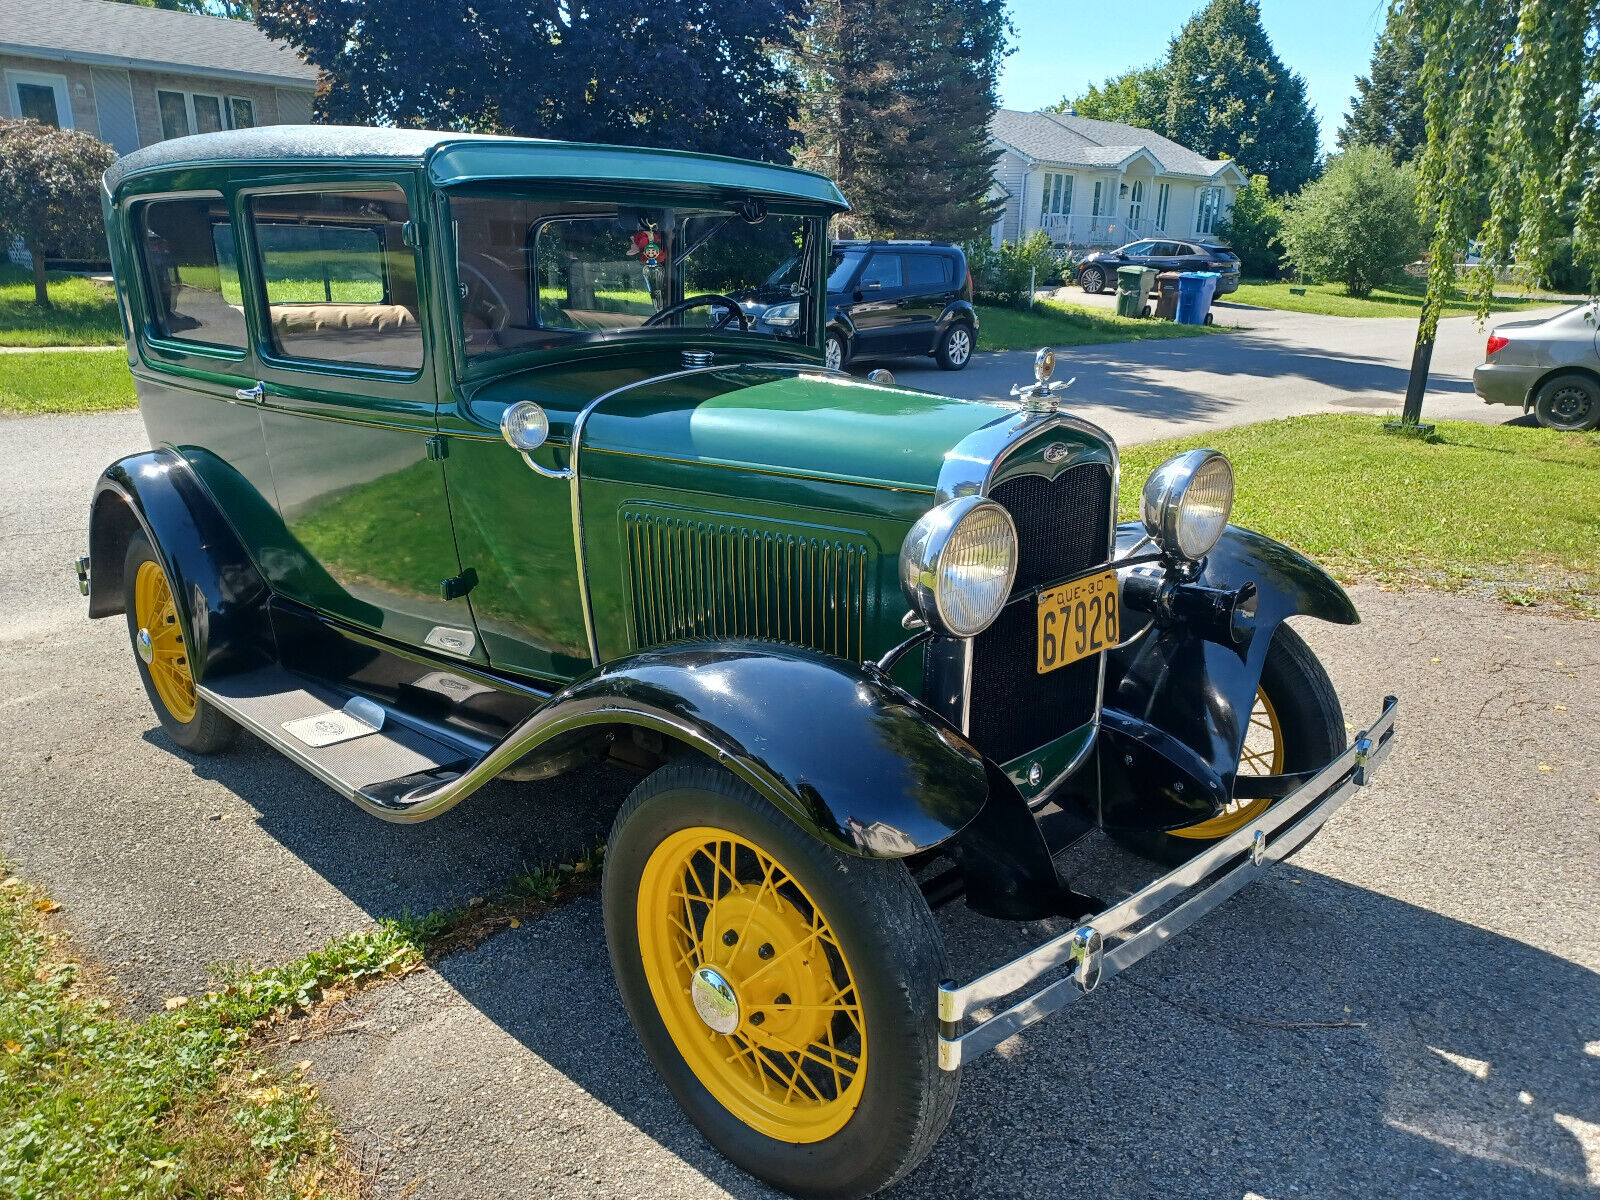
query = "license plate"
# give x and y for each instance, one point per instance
(1078, 619)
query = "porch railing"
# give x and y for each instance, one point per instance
(1082, 229)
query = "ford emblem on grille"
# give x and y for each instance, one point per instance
(1055, 452)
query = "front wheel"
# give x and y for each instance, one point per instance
(1092, 280)
(784, 991)
(1569, 403)
(1296, 724)
(833, 352)
(955, 347)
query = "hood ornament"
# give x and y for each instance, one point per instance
(1042, 395)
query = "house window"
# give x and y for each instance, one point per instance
(1209, 210)
(39, 97)
(1099, 191)
(183, 113)
(1163, 197)
(1057, 197)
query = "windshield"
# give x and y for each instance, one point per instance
(534, 274)
(841, 265)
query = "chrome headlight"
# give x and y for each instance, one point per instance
(958, 563)
(1186, 503)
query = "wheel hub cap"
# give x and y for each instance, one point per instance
(714, 1000)
(147, 651)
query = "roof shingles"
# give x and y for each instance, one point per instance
(1079, 141)
(154, 38)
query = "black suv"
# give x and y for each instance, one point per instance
(1098, 271)
(885, 299)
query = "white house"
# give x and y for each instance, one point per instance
(1101, 183)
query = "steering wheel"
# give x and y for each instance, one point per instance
(482, 301)
(710, 298)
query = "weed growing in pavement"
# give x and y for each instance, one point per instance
(187, 1101)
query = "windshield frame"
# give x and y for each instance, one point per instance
(806, 346)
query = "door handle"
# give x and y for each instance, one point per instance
(255, 393)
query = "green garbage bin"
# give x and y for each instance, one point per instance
(1130, 291)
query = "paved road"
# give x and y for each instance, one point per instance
(1275, 364)
(1450, 909)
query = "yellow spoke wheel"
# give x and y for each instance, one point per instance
(1262, 754)
(159, 641)
(752, 985)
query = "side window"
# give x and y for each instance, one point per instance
(927, 270)
(340, 281)
(191, 271)
(883, 270)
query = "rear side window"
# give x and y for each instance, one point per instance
(883, 270)
(929, 270)
(191, 271)
(340, 281)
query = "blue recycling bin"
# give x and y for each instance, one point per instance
(1195, 289)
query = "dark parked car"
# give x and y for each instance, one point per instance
(1098, 271)
(885, 300)
(1550, 364)
(467, 464)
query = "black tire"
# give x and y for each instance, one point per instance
(886, 933)
(206, 731)
(1310, 723)
(834, 344)
(955, 347)
(1569, 403)
(1092, 280)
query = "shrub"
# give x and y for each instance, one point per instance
(1357, 224)
(50, 193)
(1252, 228)
(1003, 276)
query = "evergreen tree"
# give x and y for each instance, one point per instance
(1387, 109)
(681, 73)
(1229, 95)
(895, 103)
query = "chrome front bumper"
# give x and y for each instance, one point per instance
(1283, 827)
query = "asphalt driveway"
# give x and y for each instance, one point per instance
(1411, 1008)
(1274, 364)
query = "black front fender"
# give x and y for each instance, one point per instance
(221, 596)
(1177, 706)
(836, 746)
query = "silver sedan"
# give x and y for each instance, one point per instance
(1550, 365)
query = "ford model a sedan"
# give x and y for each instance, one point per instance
(467, 464)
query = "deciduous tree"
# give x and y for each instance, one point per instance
(692, 74)
(895, 103)
(50, 193)
(1358, 223)
(1136, 97)
(1252, 230)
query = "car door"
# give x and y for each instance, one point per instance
(349, 412)
(875, 305)
(930, 285)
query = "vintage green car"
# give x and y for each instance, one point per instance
(468, 465)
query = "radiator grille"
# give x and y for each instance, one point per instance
(1063, 527)
(692, 579)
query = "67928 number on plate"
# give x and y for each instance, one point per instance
(1078, 619)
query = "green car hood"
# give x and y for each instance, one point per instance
(775, 419)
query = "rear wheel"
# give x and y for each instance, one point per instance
(1296, 724)
(783, 990)
(1092, 280)
(163, 657)
(955, 347)
(1570, 403)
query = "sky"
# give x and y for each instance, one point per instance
(1062, 46)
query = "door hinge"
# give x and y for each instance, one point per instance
(458, 585)
(411, 234)
(438, 448)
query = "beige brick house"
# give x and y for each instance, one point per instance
(132, 75)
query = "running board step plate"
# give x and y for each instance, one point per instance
(264, 701)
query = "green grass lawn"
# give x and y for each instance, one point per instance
(85, 312)
(1403, 299)
(65, 382)
(1052, 323)
(1504, 507)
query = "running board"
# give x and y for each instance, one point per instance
(366, 753)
